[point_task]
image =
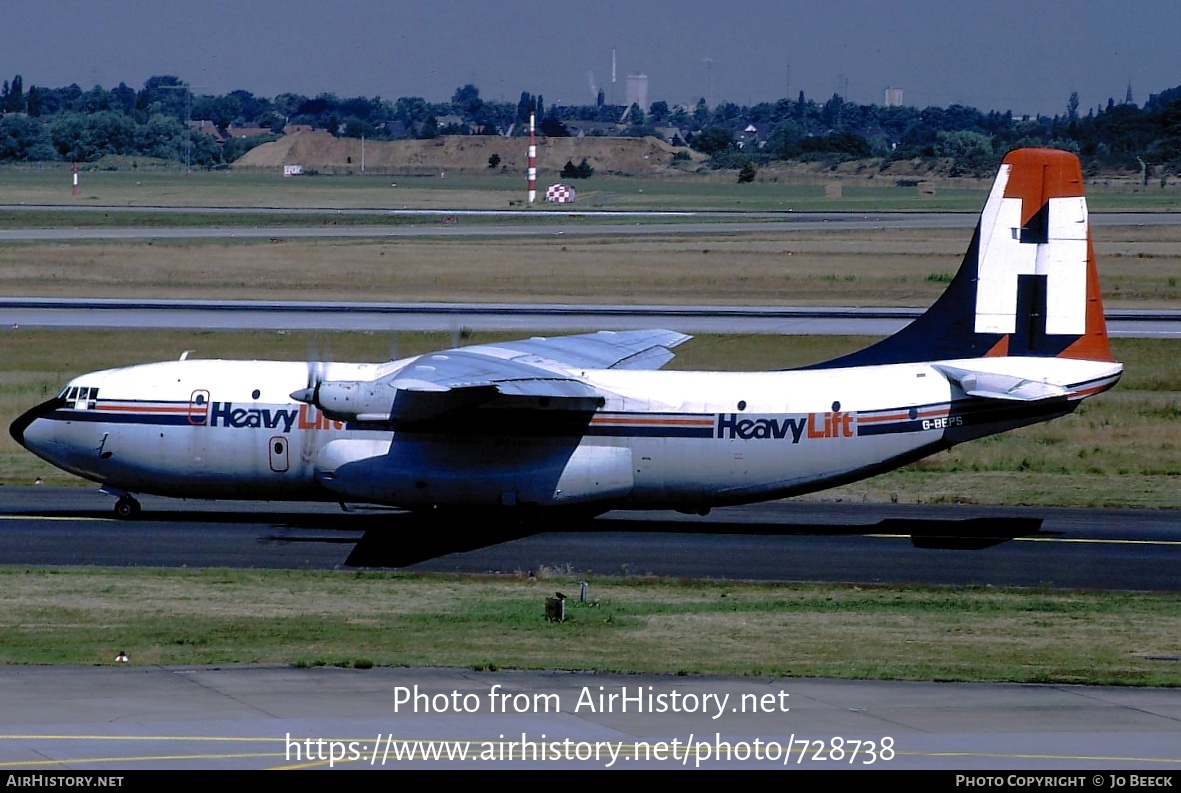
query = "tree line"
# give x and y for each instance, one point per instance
(72, 124)
(1117, 135)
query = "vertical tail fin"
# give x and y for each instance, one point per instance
(1027, 285)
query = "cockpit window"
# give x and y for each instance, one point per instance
(81, 398)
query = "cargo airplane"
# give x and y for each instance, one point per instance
(583, 424)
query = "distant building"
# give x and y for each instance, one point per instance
(673, 134)
(247, 132)
(893, 97)
(582, 129)
(753, 135)
(206, 127)
(637, 91)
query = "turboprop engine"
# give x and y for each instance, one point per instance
(389, 400)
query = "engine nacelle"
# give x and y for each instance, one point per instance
(390, 400)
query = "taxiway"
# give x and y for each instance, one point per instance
(779, 541)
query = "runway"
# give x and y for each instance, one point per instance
(539, 225)
(450, 223)
(778, 541)
(115, 313)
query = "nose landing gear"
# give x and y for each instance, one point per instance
(126, 508)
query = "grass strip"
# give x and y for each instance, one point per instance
(361, 619)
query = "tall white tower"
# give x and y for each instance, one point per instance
(637, 91)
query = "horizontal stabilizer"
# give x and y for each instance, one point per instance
(995, 385)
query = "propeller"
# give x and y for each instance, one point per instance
(310, 394)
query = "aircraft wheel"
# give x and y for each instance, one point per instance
(126, 508)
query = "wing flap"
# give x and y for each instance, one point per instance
(414, 404)
(547, 388)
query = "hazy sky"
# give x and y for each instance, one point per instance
(1020, 55)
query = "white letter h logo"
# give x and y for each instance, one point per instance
(1060, 256)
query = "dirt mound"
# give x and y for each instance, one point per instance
(324, 153)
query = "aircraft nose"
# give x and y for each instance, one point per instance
(23, 431)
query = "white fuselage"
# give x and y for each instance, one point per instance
(686, 440)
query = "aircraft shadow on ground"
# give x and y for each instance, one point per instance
(390, 538)
(401, 549)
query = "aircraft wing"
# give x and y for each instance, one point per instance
(633, 349)
(541, 368)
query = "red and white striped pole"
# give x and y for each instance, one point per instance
(75, 178)
(532, 175)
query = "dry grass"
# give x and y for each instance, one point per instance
(706, 269)
(1139, 266)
